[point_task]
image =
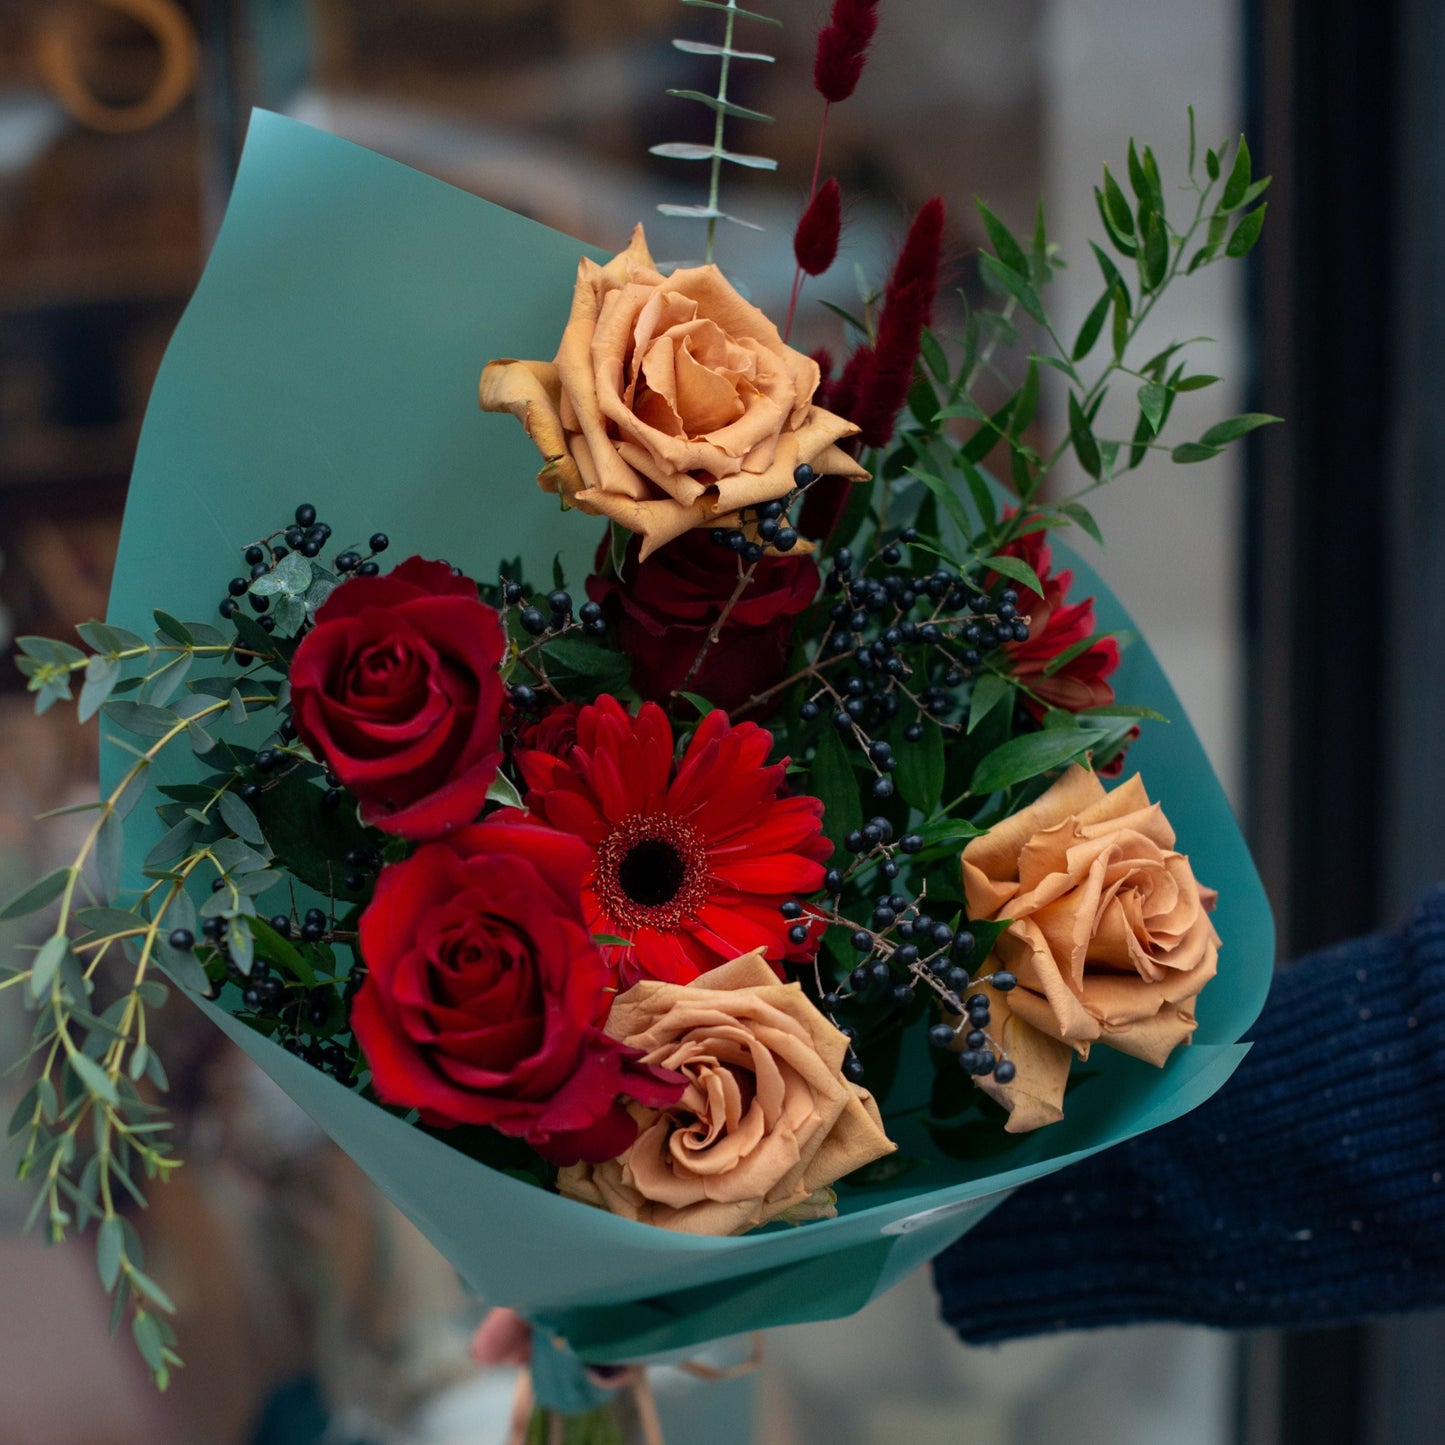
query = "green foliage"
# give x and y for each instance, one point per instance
(723, 109)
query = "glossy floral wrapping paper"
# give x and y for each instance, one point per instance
(332, 350)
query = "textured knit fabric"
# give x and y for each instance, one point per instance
(1309, 1191)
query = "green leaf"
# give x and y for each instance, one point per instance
(703, 706)
(983, 441)
(1194, 383)
(585, 660)
(176, 631)
(948, 499)
(183, 966)
(308, 840)
(241, 941)
(290, 577)
(101, 675)
(920, 768)
(725, 107)
(504, 791)
(1010, 253)
(107, 639)
(1013, 284)
(95, 1079)
(1026, 757)
(981, 492)
(1152, 397)
(1120, 217)
(988, 693)
(831, 778)
(1120, 240)
(933, 355)
(1120, 330)
(1093, 325)
(1246, 233)
(239, 818)
(1194, 452)
(1082, 437)
(173, 844)
(51, 650)
(1083, 518)
(141, 718)
(732, 9)
(1154, 259)
(1017, 570)
(1061, 660)
(611, 940)
(1224, 432)
(235, 708)
(46, 964)
(109, 1247)
(102, 922)
(1027, 402)
(1238, 182)
(282, 952)
(37, 895)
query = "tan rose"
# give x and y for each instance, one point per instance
(672, 404)
(1109, 937)
(767, 1122)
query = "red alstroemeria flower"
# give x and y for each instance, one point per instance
(691, 862)
(1055, 625)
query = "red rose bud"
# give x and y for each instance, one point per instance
(907, 309)
(843, 48)
(815, 242)
(396, 689)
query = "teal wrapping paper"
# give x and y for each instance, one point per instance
(331, 355)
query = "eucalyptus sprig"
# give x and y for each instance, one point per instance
(722, 108)
(90, 1065)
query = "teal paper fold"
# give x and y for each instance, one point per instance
(331, 355)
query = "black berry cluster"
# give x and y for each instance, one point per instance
(766, 526)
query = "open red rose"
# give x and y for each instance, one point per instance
(662, 609)
(484, 995)
(396, 690)
(1055, 625)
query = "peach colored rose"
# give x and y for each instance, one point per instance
(767, 1121)
(672, 403)
(1109, 935)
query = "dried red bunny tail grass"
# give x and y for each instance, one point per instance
(907, 309)
(843, 48)
(815, 242)
(843, 394)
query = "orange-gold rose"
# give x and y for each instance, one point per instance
(672, 402)
(766, 1124)
(1109, 935)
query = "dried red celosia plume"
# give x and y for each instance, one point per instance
(843, 48)
(815, 242)
(907, 309)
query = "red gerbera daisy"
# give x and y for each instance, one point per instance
(690, 862)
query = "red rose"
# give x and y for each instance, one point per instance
(662, 610)
(484, 995)
(554, 732)
(396, 689)
(1054, 627)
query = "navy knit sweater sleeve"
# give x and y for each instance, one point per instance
(1309, 1191)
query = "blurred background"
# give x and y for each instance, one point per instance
(1293, 592)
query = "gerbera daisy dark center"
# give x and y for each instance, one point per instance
(651, 871)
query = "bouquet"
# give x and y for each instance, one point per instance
(696, 886)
